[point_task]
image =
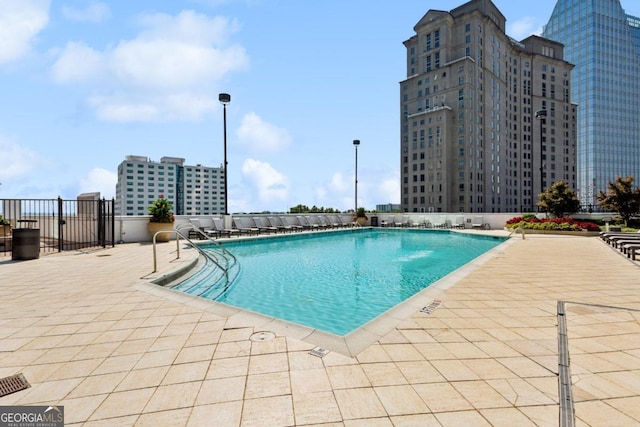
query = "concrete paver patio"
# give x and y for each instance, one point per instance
(87, 336)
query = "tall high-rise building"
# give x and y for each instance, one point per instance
(192, 190)
(603, 43)
(486, 121)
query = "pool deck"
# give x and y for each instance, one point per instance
(89, 333)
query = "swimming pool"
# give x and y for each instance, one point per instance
(338, 281)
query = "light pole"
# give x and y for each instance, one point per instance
(224, 99)
(540, 115)
(356, 142)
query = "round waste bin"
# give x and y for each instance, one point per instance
(26, 244)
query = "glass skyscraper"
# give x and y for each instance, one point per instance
(603, 43)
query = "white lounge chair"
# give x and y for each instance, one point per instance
(277, 223)
(459, 222)
(260, 222)
(440, 222)
(478, 222)
(293, 223)
(218, 226)
(337, 221)
(244, 227)
(204, 226)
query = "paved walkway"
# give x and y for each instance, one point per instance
(86, 335)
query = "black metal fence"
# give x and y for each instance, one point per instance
(62, 224)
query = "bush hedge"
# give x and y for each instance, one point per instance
(560, 224)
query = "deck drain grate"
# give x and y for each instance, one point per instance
(12, 384)
(262, 336)
(431, 307)
(319, 352)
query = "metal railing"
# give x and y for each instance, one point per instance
(179, 234)
(63, 224)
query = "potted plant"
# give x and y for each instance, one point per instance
(161, 219)
(360, 217)
(5, 227)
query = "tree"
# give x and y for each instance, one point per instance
(559, 200)
(299, 209)
(621, 197)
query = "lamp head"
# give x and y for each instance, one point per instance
(356, 142)
(224, 98)
(541, 114)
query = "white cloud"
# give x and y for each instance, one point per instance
(389, 190)
(94, 13)
(78, 63)
(100, 180)
(257, 135)
(523, 28)
(272, 186)
(337, 193)
(374, 187)
(162, 74)
(20, 23)
(17, 161)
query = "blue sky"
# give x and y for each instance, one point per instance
(85, 83)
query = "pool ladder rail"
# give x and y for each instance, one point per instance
(225, 262)
(520, 229)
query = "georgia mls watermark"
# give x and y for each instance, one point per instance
(31, 416)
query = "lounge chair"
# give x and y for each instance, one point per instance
(242, 225)
(631, 249)
(303, 221)
(205, 227)
(263, 227)
(277, 223)
(478, 222)
(325, 221)
(397, 221)
(294, 225)
(218, 226)
(459, 222)
(337, 221)
(440, 222)
(315, 222)
(418, 222)
(612, 238)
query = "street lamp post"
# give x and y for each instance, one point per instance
(224, 99)
(356, 142)
(540, 115)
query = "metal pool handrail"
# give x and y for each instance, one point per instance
(520, 229)
(206, 236)
(180, 234)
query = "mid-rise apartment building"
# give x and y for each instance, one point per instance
(486, 121)
(192, 190)
(604, 44)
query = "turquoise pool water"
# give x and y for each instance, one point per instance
(338, 281)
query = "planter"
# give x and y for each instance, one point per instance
(154, 227)
(361, 221)
(558, 232)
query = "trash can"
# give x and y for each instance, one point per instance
(26, 242)
(374, 221)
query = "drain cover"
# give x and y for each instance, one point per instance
(431, 307)
(319, 352)
(12, 384)
(262, 336)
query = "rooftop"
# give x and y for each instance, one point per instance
(88, 333)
